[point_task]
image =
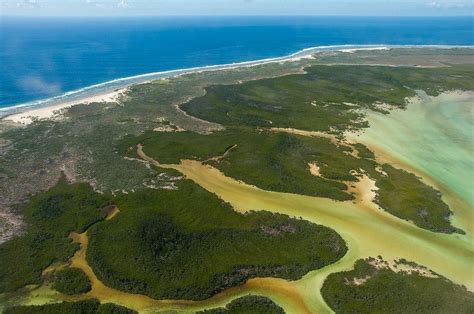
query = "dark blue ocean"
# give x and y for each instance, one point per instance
(45, 57)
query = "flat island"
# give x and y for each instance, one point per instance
(338, 181)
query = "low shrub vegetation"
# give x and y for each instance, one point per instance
(248, 305)
(71, 281)
(381, 290)
(279, 161)
(189, 244)
(51, 216)
(82, 307)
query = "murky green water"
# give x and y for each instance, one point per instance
(435, 135)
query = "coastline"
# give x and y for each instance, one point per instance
(55, 111)
(26, 113)
(89, 141)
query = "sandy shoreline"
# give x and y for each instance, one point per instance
(33, 112)
(55, 111)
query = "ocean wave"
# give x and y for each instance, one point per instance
(100, 88)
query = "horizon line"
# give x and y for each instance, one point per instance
(230, 15)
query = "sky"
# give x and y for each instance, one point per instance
(237, 7)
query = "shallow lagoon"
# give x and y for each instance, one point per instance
(442, 150)
(434, 137)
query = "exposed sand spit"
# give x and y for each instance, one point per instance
(331, 137)
(432, 138)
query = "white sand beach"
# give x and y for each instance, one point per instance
(55, 112)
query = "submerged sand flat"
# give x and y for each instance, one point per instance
(368, 230)
(433, 137)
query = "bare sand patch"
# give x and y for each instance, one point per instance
(331, 137)
(167, 126)
(314, 169)
(11, 224)
(55, 112)
(365, 191)
(168, 129)
(401, 266)
(357, 281)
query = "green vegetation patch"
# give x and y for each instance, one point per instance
(404, 195)
(372, 289)
(327, 98)
(51, 216)
(280, 161)
(71, 281)
(363, 151)
(110, 308)
(248, 305)
(189, 244)
(82, 307)
(324, 99)
(274, 161)
(431, 57)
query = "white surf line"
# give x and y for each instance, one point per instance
(101, 88)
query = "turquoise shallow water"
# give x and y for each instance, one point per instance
(434, 135)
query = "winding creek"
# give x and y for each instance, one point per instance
(368, 230)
